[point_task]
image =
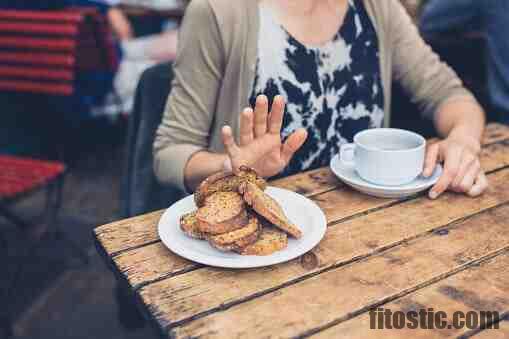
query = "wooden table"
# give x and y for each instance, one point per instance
(451, 254)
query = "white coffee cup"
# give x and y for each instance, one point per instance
(385, 156)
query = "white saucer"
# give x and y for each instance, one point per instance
(349, 176)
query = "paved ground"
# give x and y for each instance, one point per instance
(58, 297)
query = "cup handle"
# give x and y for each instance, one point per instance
(347, 154)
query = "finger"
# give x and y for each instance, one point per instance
(480, 185)
(451, 167)
(469, 178)
(246, 127)
(276, 115)
(467, 160)
(229, 143)
(293, 143)
(260, 116)
(431, 160)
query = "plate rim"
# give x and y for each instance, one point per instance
(240, 261)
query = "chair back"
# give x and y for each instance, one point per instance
(42, 51)
(140, 190)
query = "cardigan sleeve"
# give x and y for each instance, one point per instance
(428, 81)
(189, 111)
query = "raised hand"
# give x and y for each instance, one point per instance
(260, 145)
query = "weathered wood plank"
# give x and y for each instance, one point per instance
(310, 183)
(483, 288)
(338, 294)
(128, 233)
(153, 262)
(342, 243)
(135, 232)
(495, 132)
(501, 333)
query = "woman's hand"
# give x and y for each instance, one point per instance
(462, 169)
(260, 145)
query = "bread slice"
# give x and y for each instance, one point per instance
(239, 238)
(226, 182)
(270, 240)
(222, 212)
(268, 208)
(189, 225)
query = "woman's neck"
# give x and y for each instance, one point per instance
(307, 8)
(310, 21)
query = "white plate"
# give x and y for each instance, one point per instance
(300, 210)
(349, 176)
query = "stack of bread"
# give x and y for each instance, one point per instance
(235, 214)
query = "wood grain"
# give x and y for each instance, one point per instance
(483, 288)
(138, 231)
(343, 243)
(339, 294)
(495, 132)
(501, 333)
(310, 183)
(154, 262)
(128, 233)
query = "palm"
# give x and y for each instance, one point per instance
(261, 146)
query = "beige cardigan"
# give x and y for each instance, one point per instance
(214, 74)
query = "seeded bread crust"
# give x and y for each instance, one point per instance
(189, 225)
(268, 208)
(270, 241)
(241, 242)
(231, 237)
(222, 212)
(226, 182)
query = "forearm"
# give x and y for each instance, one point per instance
(200, 166)
(461, 118)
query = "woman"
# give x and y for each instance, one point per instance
(332, 62)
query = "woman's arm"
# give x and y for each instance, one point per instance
(198, 69)
(440, 94)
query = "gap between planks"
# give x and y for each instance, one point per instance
(504, 318)
(495, 133)
(351, 261)
(357, 278)
(390, 202)
(457, 281)
(194, 266)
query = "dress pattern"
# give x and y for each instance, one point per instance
(333, 90)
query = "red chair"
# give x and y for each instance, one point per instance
(20, 177)
(42, 51)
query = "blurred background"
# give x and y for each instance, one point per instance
(82, 88)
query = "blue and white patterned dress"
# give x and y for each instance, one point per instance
(333, 90)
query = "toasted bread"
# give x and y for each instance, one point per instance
(189, 226)
(239, 238)
(222, 212)
(268, 208)
(226, 182)
(270, 240)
